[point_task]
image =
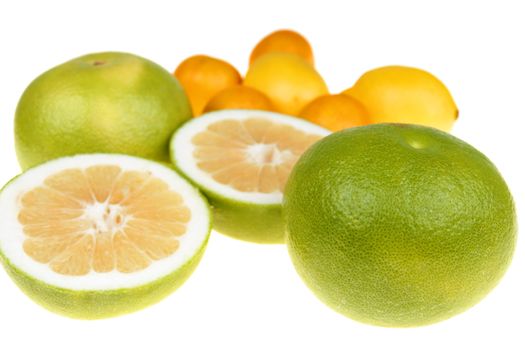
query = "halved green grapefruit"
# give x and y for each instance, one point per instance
(241, 160)
(94, 236)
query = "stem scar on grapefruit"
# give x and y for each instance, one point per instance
(398, 225)
(94, 236)
(241, 160)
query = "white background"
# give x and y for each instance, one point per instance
(245, 296)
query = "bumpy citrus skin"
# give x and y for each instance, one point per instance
(99, 103)
(244, 221)
(398, 225)
(86, 304)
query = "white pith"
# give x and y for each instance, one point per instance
(182, 150)
(12, 236)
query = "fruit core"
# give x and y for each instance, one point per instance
(105, 217)
(267, 154)
(250, 155)
(101, 219)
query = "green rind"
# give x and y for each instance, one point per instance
(247, 221)
(382, 255)
(85, 304)
(130, 105)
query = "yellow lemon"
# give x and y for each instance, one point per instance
(398, 94)
(288, 80)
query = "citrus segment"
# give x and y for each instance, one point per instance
(95, 235)
(97, 224)
(248, 158)
(241, 159)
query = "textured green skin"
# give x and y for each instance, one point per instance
(94, 304)
(85, 304)
(395, 236)
(245, 221)
(127, 105)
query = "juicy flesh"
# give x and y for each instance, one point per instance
(101, 219)
(251, 155)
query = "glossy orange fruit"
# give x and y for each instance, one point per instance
(203, 77)
(239, 97)
(285, 41)
(336, 112)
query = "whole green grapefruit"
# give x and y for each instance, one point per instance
(398, 225)
(108, 102)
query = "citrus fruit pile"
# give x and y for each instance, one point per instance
(282, 77)
(389, 224)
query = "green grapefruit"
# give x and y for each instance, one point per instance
(241, 160)
(398, 225)
(108, 102)
(99, 235)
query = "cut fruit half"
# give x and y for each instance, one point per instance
(241, 160)
(94, 236)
